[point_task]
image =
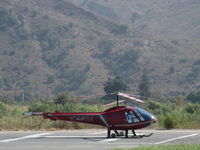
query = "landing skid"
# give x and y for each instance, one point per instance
(142, 135)
(125, 133)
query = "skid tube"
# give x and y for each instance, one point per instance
(117, 134)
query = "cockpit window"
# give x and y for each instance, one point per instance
(146, 115)
(142, 111)
(139, 115)
(131, 118)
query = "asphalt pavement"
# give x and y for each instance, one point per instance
(91, 139)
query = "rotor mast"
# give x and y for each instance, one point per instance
(117, 99)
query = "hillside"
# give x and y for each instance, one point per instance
(160, 18)
(51, 46)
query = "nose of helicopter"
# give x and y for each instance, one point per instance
(154, 119)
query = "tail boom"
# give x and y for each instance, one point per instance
(89, 118)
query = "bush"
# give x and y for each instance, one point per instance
(105, 46)
(39, 106)
(119, 29)
(194, 97)
(192, 108)
(3, 110)
(128, 62)
(124, 64)
(158, 108)
(73, 79)
(6, 100)
(169, 122)
(42, 34)
(6, 19)
(22, 34)
(64, 98)
(195, 71)
(135, 16)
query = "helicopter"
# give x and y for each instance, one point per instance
(118, 118)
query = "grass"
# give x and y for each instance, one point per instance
(167, 147)
(11, 116)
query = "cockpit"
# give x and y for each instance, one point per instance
(144, 114)
(138, 115)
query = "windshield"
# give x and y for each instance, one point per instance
(146, 115)
(142, 111)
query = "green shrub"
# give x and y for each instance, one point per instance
(39, 106)
(159, 108)
(169, 122)
(194, 97)
(64, 98)
(192, 108)
(69, 106)
(6, 100)
(3, 110)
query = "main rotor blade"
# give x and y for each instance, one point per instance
(130, 97)
(113, 103)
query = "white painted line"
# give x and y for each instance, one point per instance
(97, 133)
(105, 140)
(173, 139)
(109, 140)
(25, 137)
(72, 136)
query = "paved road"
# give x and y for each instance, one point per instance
(91, 139)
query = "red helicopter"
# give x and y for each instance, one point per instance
(118, 118)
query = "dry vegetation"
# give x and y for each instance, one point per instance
(48, 47)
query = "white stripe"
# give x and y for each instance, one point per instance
(110, 140)
(106, 140)
(78, 136)
(97, 133)
(173, 139)
(25, 137)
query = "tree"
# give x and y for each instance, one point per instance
(194, 97)
(119, 29)
(144, 85)
(6, 100)
(135, 16)
(115, 85)
(64, 98)
(105, 47)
